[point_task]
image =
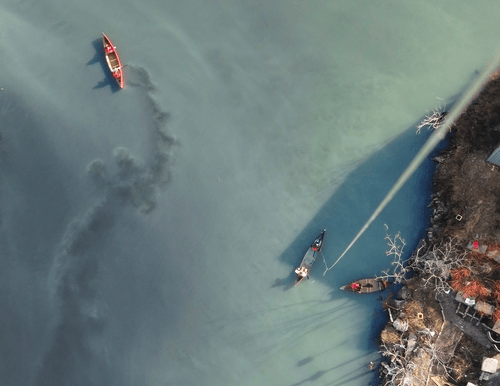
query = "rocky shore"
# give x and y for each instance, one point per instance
(444, 324)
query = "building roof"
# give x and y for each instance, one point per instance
(495, 157)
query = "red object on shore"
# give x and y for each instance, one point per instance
(470, 286)
(496, 291)
(113, 60)
(475, 245)
(496, 315)
(474, 289)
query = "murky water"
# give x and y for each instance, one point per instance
(149, 234)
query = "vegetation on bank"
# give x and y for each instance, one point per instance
(461, 254)
(464, 180)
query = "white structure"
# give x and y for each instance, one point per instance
(489, 365)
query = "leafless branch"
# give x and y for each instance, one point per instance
(433, 120)
(437, 263)
(439, 358)
(398, 367)
(398, 270)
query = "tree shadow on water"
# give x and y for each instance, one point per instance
(312, 378)
(343, 215)
(318, 374)
(305, 361)
(343, 380)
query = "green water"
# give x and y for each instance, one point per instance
(288, 117)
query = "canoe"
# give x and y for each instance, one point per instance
(310, 258)
(366, 286)
(113, 60)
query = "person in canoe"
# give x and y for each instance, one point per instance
(356, 286)
(367, 286)
(301, 271)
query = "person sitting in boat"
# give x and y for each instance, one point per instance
(301, 271)
(109, 49)
(356, 286)
(116, 73)
(316, 246)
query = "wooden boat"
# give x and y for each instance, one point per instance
(366, 286)
(113, 60)
(310, 258)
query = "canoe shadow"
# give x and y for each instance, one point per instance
(101, 59)
(287, 282)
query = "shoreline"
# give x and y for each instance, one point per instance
(442, 322)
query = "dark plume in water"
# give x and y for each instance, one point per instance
(70, 359)
(135, 183)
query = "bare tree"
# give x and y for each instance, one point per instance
(440, 355)
(404, 369)
(398, 367)
(398, 271)
(433, 120)
(437, 262)
(438, 359)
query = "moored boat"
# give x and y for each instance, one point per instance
(113, 60)
(310, 258)
(366, 286)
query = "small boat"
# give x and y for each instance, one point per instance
(366, 286)
(309, 258)
(113, 60)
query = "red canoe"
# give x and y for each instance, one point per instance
(113, 60)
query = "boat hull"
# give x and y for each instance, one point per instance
(366, 286)
(113, 60)
(310, 257)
